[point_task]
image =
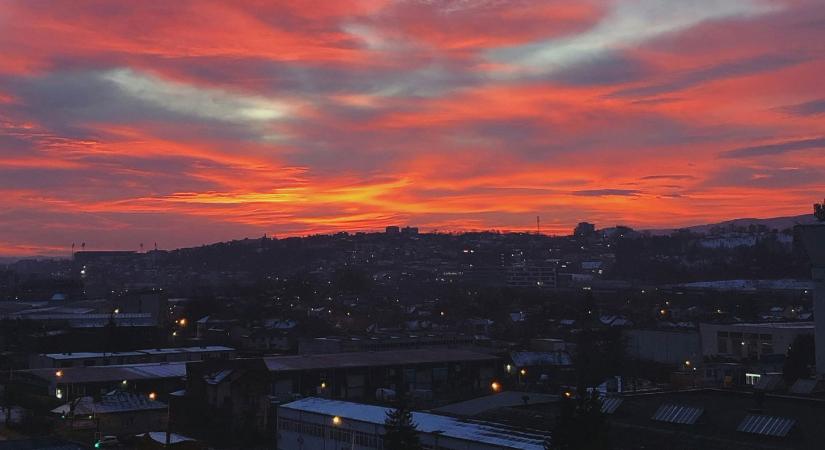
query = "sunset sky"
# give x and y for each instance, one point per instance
(189, 122)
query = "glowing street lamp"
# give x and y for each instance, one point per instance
(495, 386)
(336, 421)
(153, 396)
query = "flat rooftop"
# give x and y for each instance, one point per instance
(505, 399)
(474, 431)
(105, 374)
(373, 359)
(778, 325)
(151, 351)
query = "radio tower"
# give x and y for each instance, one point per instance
(538, 225)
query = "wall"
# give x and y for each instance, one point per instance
(669, 347)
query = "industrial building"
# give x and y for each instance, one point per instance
(320, 423)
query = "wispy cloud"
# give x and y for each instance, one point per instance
(198, 101)
(628, 23)
(811, 108)
(607, 192)
(776, 149)
(203, 121)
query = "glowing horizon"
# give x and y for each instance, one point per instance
(191, 122)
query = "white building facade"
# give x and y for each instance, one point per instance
(322, 424)
(750, 340)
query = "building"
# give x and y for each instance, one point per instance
(530, 366)
(116, 413)
(813, 238)
(82, 320)
(225, 397)
(159, 355)
(663, 346)
(152, 302)
(319, 423)
(380, 342)
(741, 341)
(717, 419)
(531, 276)
(75, 382)
(708, 419)
(425, 374)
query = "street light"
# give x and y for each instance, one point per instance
(153, 396)
(495, 386)
(336, 421)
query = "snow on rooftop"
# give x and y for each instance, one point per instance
(83, 355)
(792, 325)
(174, 438)
(475, 431)
(738, 285)
(155, 351)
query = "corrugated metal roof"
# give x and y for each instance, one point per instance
(611, 404)
(99, 374)
(681, 414)
(527, 359)
(766, 425)
(113, 402)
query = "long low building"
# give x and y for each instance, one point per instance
(74, 382)
(357, 375)
(320, 423)
(156, 355)
(750, 340)
(239, 393)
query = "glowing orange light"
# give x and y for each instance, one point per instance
(153, 396)
(336, 420)
(495, 386)
(59, 373)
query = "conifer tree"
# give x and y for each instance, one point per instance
(401, 432)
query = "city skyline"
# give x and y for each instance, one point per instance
(195, 122)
